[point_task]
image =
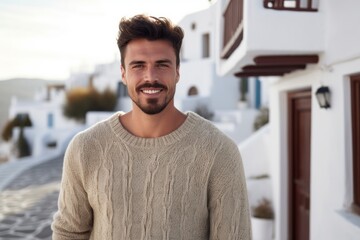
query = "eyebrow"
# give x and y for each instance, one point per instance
(135, 62)
(164, 61)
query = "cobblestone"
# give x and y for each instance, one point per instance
(28, 203)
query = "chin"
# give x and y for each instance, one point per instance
(152, 110)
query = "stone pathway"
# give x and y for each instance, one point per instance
(29, 202)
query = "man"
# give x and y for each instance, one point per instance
(154, 172)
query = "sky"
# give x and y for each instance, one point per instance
(50, 39)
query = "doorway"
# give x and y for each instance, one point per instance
(299, 119)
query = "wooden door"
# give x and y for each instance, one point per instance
(299, 164)
(355, 114)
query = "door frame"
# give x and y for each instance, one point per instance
(298, 93)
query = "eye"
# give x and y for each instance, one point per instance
(163, 65)
(138, 66)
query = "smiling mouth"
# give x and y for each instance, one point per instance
(151, 91)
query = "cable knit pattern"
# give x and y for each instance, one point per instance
(186, 185)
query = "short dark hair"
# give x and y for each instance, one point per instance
(150, 28)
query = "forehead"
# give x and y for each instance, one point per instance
(145, 50)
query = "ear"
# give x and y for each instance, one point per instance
(177, 75)
(123, 79)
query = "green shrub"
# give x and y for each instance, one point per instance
(262, 118)
(106, 101)
(7, 130)
(261, 176)
(81, 100)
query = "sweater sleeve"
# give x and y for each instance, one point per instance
(228, 200)
(74, 217)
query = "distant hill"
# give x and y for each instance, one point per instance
(23, 88)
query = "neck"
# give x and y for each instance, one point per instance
(144, 125)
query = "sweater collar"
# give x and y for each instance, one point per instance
(168, 139)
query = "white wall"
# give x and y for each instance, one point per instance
(237, 124)
(223, 93)
(255, 153)
(267, 29)
(192, 43)
(333, 142)
(107, 76)
(191, 76)
(330, 158)
(95, 117)
(343, 34)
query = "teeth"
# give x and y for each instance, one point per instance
(151, 91)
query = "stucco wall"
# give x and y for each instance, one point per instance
(343, 35)
(331, 180)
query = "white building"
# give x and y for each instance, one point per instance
(314, 160)
(50, 128)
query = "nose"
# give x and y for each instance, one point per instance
(151, 74)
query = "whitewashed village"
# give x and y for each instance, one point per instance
(281, 78)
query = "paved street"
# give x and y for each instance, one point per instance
(28, 203)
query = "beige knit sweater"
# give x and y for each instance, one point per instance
(186, 185)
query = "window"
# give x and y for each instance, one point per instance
(206, 45)
(50, 120)
(355, 115)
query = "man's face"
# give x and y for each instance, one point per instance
(150, 74)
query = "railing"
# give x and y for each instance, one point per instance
(294, 5)
(233, 27)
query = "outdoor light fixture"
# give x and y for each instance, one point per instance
(323, 96)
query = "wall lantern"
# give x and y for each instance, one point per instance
(323, 96)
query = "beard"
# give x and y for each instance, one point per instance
(153, 105)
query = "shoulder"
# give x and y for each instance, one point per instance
(206, 129)
(218, 148)
(94, 138)
(98, 131)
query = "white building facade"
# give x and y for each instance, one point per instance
(314, 161)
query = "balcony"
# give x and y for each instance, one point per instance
(289, 5)
(269, 37)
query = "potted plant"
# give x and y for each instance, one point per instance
(262, 220)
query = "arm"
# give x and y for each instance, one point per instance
(228, 203)
(74, 217)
